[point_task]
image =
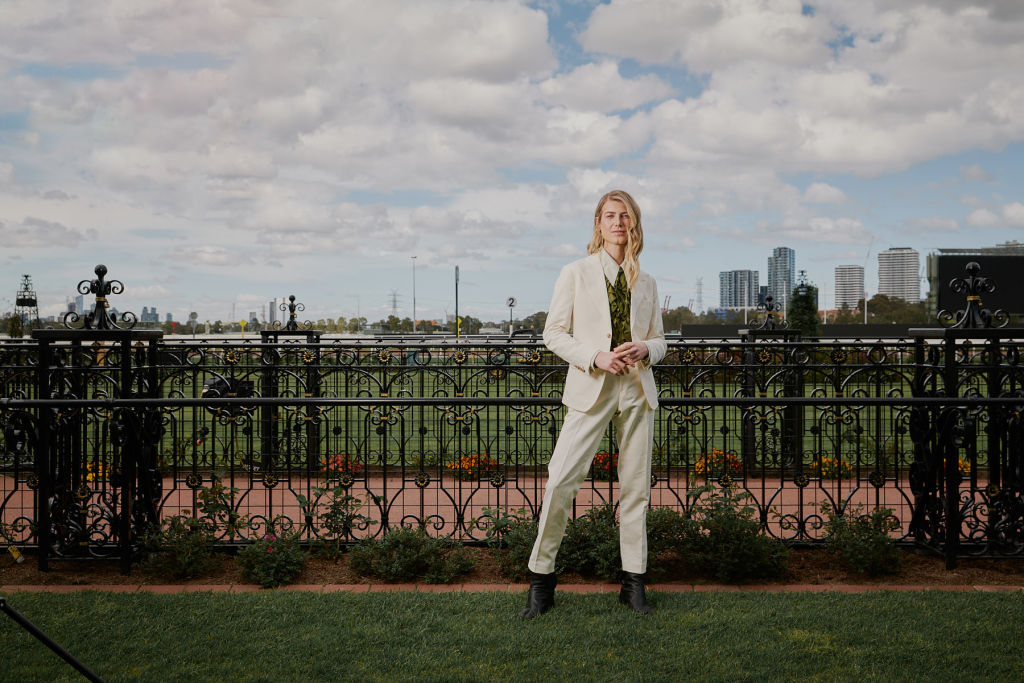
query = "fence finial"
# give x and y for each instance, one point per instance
(99, 319)
(973, 316)
(771, 308)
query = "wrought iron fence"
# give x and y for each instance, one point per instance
(103, 432)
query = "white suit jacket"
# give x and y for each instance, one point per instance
(579, 325)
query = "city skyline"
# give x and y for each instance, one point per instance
(219, 156)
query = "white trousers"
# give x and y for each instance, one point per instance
(623, 403)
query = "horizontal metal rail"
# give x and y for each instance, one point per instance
(959, 401)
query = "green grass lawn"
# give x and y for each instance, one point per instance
(281, 636)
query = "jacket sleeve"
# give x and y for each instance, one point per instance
(657, 347)
(559, 322)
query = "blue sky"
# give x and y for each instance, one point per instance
(215, 156)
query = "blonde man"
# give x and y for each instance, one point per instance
(605, 322)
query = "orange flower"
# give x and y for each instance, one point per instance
(470, 467)
(340, 462)
(718, 462)
(832, 468)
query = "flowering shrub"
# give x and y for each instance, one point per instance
(340, 462)
(470, 467)
(180, 547)
(718, 462)
(832, 468)
(219, 507)
(606, 466)
(862, 540)
(273, 560)
(405, 554)
(337, 520)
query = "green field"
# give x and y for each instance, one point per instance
(279, 636)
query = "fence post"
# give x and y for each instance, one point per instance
(61, 462)
(42, 458)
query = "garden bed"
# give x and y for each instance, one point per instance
(807, 566)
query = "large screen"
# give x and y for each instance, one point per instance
(1006, 272)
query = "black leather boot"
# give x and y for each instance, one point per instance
(633, 594)
(542, 595)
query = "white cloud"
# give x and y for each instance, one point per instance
(823, 193)
(933, 224)
(975, 173)
(1013, 214)
(705, 35)
(34, 232)
(1009, 216)
(983, 218)
(600, 87)
(6, 173)
(211, 255)
(819, 229)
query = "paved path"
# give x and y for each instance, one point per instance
(503, 587)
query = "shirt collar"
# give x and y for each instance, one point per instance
(609, 266)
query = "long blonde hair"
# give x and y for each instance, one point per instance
(635, 237)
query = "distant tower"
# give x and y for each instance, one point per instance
(849, 286)
(394, 302)
(26, 304)
(781, 269)
(898, 274)
(700, 296)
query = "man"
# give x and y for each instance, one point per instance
(605, 322)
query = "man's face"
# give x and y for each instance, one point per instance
(614, 222)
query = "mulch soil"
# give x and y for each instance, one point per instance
(806, 567)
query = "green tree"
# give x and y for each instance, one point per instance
(885, 309)
(15, 328)
(535, 321)
(470, 325)
(356, 325)
(847, 315)
(803, 310)
(676, 319)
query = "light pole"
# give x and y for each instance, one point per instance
(413, 294)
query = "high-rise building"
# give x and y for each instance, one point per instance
(781, 269)
(738, 289)
(272, 311)
(898, 270)
(849, 286)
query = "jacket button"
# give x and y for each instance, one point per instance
(609, 336)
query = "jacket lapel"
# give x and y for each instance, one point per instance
(597, 290)
(634, 301)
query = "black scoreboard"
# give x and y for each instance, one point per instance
(1005, 271)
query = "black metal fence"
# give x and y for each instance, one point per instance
(104, 432)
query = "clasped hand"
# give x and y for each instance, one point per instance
(622, 356)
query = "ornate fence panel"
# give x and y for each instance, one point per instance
(104, 432)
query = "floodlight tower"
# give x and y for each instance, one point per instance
(26, 305)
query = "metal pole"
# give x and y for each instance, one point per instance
(456, 302)
(45, 640)
(414, 294)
